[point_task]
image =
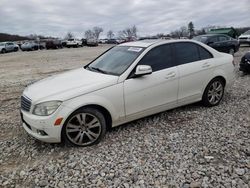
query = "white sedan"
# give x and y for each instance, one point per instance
(127, 82)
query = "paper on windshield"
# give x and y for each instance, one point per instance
(134, 49)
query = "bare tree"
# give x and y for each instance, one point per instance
(89, 34)
(129, 33)
(160, 35)
(97, 31)
(110, 34)
(200, 32)
(175, 34)
(191, 29)
(183, 31)
(69, 35)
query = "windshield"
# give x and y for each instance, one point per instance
(247, 32)
(116, 60)
(201, 38)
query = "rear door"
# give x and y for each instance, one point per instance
(225, 43)
(155, 91)
(195, 69)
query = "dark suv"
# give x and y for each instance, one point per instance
(220, 42)
(53, 44)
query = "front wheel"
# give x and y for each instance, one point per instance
(84, 127)
(213, 93)
(3, 51)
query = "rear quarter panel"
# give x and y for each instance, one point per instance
(224, 68)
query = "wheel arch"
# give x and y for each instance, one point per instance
(215, 77)
(103, 110)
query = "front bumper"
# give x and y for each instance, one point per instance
(244, 41)
(245, 67)
(41, 128)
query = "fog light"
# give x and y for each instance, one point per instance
(42, 133)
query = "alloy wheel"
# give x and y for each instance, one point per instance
(83, 129)
(215, 92)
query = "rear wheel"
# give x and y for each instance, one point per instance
(84, 127)
(214, 92)
(3, 51)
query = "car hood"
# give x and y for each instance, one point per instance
(248, 36)
(68, 85)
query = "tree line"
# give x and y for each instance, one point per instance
(128, 33)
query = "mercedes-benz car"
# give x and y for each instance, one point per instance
(127, 82)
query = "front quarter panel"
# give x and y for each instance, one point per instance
(111, 98)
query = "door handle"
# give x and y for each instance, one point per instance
(206, 65)
(170, 75)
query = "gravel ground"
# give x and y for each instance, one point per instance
(191, 146)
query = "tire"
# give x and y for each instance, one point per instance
(84, 127)
(15, 49)
(213, 93)
(3, 51)
(231, 51)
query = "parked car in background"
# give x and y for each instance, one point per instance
(245, 63)
(103, 41)
(8, 47)
(54, 44)
(92, 42)
(32, 45)
(112, 41)
(245, 38)
(220, 42)
(73, 43)
(84, 42)
(64, 43)
(127, 82)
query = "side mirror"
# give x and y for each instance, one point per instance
(142, 70)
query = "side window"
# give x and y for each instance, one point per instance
(212, 40)
(186, 52)
(223, 38)
(158, 58)
(204, 54)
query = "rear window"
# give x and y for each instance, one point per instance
(186, 52)
(204, 54)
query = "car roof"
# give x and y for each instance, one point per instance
(147, 43)
(211, 35)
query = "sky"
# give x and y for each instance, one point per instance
(57, 17)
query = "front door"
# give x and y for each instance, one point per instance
(155, 92)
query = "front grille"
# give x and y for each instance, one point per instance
(25, 103)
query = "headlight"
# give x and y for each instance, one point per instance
(46, 108)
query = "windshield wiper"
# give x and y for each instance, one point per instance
(97, 69)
